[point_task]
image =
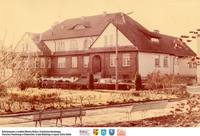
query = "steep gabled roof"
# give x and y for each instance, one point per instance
(136, 33)
(141, 38)
(94, 25)
(40, 44)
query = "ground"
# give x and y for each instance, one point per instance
(71, 98)
(93, 117)
(108, 114)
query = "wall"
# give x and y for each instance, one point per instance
(110, 33)
(147, 65)
(107, 71)
(184, 67)
(27, 42)
(198, 54)
(80, 43)
(68, 70)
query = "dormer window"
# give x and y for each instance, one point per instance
(79, 27)
(155, 40)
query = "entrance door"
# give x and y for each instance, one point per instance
(96, 64)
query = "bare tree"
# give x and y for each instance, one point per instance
(16, 67)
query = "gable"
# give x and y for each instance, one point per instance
(108, 38)
(26, 44)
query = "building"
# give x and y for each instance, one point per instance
(76, 47)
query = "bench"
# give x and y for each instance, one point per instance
(58, 115)
(147, 106)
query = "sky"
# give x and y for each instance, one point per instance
(172, 17)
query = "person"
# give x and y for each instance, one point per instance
(91, 81)
(39, 80)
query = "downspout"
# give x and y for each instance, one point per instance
(173, 65)
(137, 62)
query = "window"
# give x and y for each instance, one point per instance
(60, 46)
(155, 40)
(108, 40)
(74, 62)
(190, 64)
(165, 61)
(157, 61)
(126, 59)
(49, 63)
(111, 40)
(42, 62)
(73, 45)
(85, 61)
(105, 41)
(194, 65)
(27, 47)
(86, 44)
(112, 60)
(79, 27)
(61, 62)
(176, 61)
(37, 63)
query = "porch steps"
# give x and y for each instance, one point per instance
(82, 81)
(97, 75)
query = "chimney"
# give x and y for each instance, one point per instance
(156, 31)
(83, 17)
(105, 13)
(62, 27)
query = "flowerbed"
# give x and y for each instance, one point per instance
(34, 99)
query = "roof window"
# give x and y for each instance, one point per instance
(155, 40)
(79, 27)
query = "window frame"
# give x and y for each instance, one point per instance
(155, 40)
(49, 63)
(157, 60)
(73, 44)
(111, 40)
(113, 60)
(86, 44)
(61, 64)
(37, 63)
(166, 62)
(60, 46)
(126, 59)
(105, 40)
(86, 59)
(194, 65)
(74, 62)
(42, 62)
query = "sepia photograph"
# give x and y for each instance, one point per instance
(99, 63)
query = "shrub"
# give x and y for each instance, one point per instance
(184, 112)
(136, 93)
(26, 84)
(138, 82)
(91, 81)
(156, 80)
(3, 90)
